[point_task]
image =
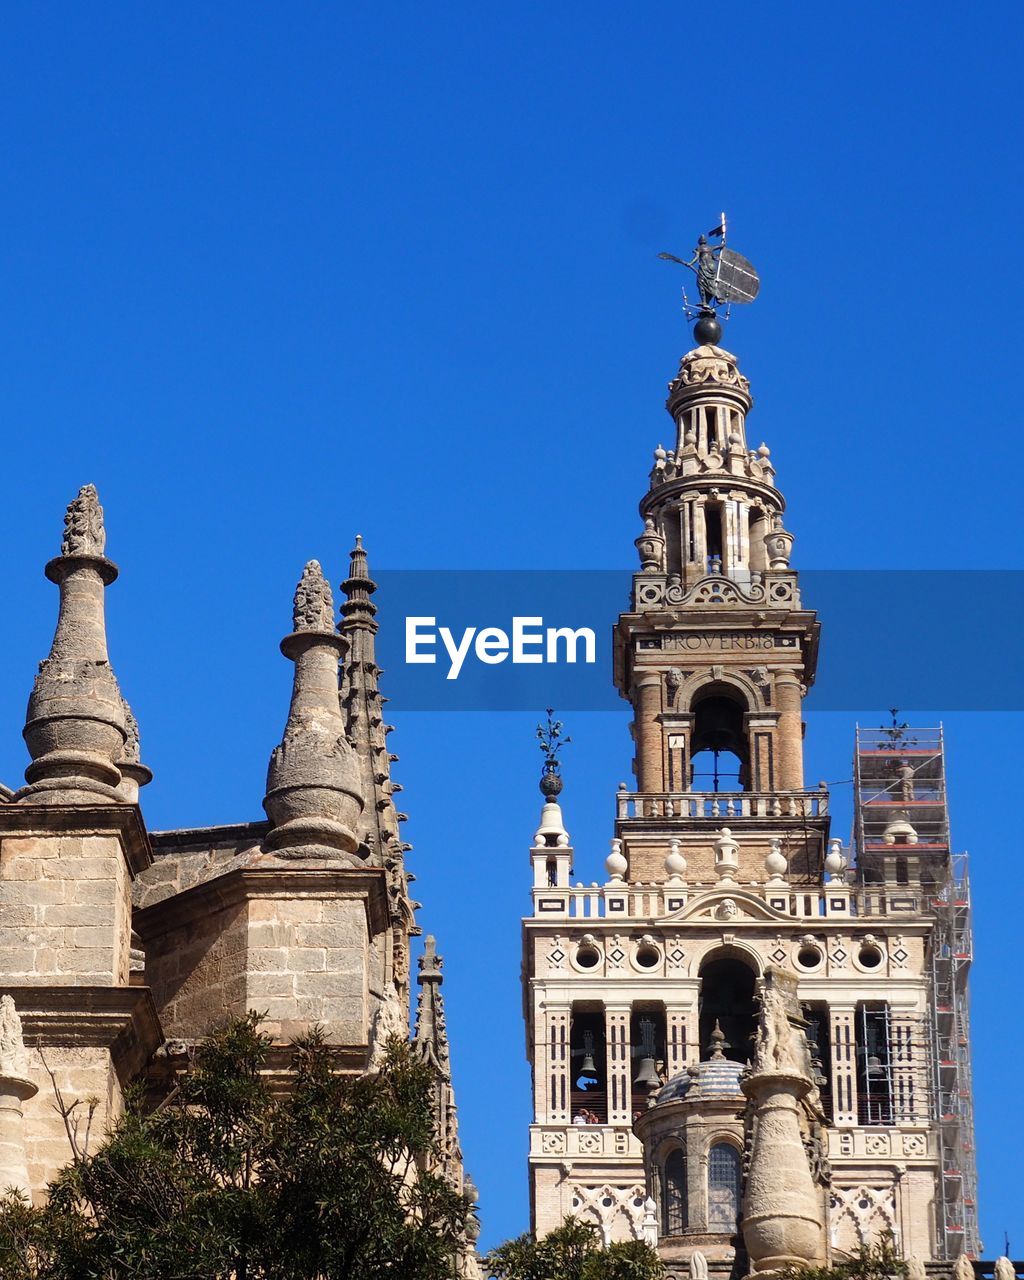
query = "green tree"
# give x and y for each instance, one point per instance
(572, 1251)
(230, 1180)
(879, 1261)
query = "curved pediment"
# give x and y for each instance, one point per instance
(727, 904)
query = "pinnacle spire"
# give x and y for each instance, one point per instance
(431, 1036)
(313, 796)
(75, 728)
(362, 705)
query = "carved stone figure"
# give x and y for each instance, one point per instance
(698, 1266)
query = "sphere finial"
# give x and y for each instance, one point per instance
(708, 330)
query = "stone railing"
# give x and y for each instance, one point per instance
(620, 901)
(722, 805)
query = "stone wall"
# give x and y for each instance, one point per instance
(65, 909)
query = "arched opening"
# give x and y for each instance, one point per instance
(760, 525)
(819, 1038)
(589, 1066)
(724, 1184)
(647, 1047)
(727, 998)
(873, 1036)
(673, 1194)
(713, 540)
(719, 753)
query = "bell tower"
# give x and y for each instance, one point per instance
(644, 993)
(717, 651)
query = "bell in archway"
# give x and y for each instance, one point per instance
(647, 1075)
(587, 1068)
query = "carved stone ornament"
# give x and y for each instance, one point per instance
(84, 534)
(13, 1055)
(709, 364)
(314, 605)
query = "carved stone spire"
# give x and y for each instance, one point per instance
(363, 704)
(430, 1040)
(313, 795)
(431, 1036)
(75, 728)
(363, 707)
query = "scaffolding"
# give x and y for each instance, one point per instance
(901, 834)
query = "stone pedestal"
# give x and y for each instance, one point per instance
(14, 1092)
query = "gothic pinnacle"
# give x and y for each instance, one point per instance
(75, 729)
(313, 796)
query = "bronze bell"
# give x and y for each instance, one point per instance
(647, 1074)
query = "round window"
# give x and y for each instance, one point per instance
(808, 957)
(870, 957)
(587, 956)
(647, 956)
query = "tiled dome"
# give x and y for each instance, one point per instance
(718, 1078)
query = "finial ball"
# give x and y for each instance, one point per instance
(707, 331)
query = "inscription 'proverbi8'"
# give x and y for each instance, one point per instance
(720, 641)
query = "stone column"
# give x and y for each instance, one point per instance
(789, 697)
(553, 1067)
(676, 1048)
(783, 1221)
(620, 1083)
(15, 1089)
(844, 1065)
(649, 754)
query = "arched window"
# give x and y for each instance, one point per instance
(673, 1194)
(723, 1187)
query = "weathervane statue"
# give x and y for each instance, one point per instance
(723, 277)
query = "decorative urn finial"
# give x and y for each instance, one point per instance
(75, 728)
(313, 796)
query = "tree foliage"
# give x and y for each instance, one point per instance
(879, 1261)
(230, 1181)
(573, 1251)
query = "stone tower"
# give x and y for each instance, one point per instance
(727, 912)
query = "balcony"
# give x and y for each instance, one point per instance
(722, 806)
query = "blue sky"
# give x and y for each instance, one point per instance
(275, 274)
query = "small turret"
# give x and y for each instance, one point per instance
(313, 796)
(75, 729)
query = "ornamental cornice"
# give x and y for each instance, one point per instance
(241, 884)
(54, 820)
